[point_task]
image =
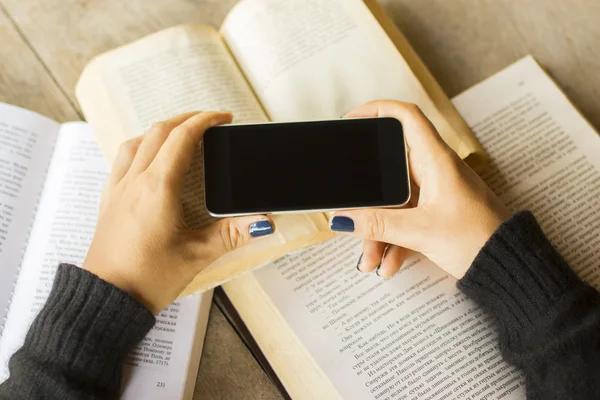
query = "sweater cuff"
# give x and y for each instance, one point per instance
(99, 324)
(519, 276)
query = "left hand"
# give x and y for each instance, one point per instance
(142, 244)
(453, 211)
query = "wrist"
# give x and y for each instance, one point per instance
(133, 286)
(518, 274)
(465, 247)
(490, 220)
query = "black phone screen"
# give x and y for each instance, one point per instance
(322, 165)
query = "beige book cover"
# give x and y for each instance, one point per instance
(271, 60)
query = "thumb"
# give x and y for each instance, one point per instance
(401, 227)
(229, 234)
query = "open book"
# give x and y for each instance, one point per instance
(331, 332)
(51, 179)
(273, 60)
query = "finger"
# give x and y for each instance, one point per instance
(410, 115)
(371, 256)
(424, 142)
(415, 194)
(175, 156)
(231, 233)
(125, 156)
(155, 138)
(394, 257)
(402, 227)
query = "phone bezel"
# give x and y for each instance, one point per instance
(310, 210)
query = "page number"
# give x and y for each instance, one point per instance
(160, 384)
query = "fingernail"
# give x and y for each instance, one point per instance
(261, 228)
(385, 278)
(391, 276)
(342, 224)
(358, 263)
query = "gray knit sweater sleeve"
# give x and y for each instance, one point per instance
(75, 348)
(548, 319)
(548, 322)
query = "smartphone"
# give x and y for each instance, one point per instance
(305, 166)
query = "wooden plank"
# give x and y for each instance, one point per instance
(229, 367)
(24, 81)
(67, 34)
(563, 36)
(465, 41)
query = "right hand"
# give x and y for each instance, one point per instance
(455, 213)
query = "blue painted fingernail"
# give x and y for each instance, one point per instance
(358, 263)
(342, 224)
(261, 228)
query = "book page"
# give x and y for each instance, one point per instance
(165, 363)
(183, 69)
(544, 157)
(415, 336)
(180, 69)
(26, 144)
(62, 231)
(312, 59)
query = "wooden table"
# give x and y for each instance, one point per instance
(44, 45)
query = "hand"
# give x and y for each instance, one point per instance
(455, 212)
(142, 245)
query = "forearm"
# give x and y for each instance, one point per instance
(548, 319)
(76, 346)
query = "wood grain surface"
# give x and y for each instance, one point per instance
(227, 370)
(25, 81)
(44, 45)
(464, 41)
